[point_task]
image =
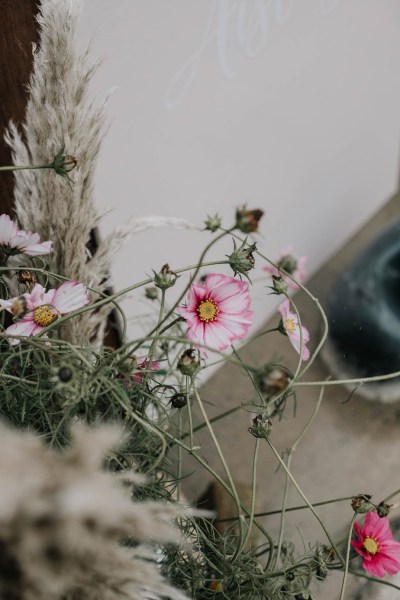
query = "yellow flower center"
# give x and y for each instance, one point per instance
(290, 325)
(44, 315)
(207, 310)
(370, 545)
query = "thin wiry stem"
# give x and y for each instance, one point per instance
(346, 566)
(226, 469)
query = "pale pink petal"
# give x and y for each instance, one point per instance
(24, 238)
(37, 296)
(217, 336)
(284, 309)
(220, 287)
(191, 316)
(70, 296)
(238, 328)
(7, 229)
(196, 333)
(197, 293)
(7, 304)
(38, 249)
(234, 304)
(25, 327)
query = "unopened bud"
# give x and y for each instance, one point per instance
(189, 364)
(215, 586)
(361, 504)
(64, 163)
(151, 293)
(279, 285)
(247, 220)
(213, 223)
(261, 427)
(273, 379)
(65, 374)
(242, 260)
(288, 263)
(165, 278)
(383, 509)
(178, 400)
(27, 279)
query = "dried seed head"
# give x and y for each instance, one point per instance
(361, 503)
(165, 278)
(189, 364)
(247, 220)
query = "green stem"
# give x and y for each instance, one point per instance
(310, 506)
(289, 462)
(226, 468)
(375, 579)
(346, 566)
(27, 167)
(226, 487)
(253, 495)
(292, 508)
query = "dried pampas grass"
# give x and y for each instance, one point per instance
(62, 519)
(59, 112)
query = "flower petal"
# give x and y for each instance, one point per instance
(70, 296)
(25, 327)
(7, 229)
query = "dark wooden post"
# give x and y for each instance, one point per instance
(18, 32)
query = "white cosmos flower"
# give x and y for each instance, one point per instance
(40, 308)
(18, 241)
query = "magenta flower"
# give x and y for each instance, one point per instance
(40, 308)
(292, 265)
(290, 324)
(142, 365)
(376, 545)
(217, 311)
(17, 241)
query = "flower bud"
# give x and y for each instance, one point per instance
(215, 586)
(272, 379)
(64, 163)
(27, 279)
(247, 220)
(165, 278)
(361, 504)
(213, 223)
(189, 364)
(288, 263)
(65, 374)
(383, 509)
(279, 285)
(261, 427)
(178, 400)
(242, 260)
(151, 293)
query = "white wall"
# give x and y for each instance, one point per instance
(292, 106)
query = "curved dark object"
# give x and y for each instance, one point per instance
(364, 311)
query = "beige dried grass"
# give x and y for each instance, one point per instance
(62, 518)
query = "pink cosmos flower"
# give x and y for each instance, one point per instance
(291, 326)
(142, 365)
(292, 265)
(17, 241)
(217, 311)
(40, 308)
(376, 545)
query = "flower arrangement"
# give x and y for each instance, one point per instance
(72, 524)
